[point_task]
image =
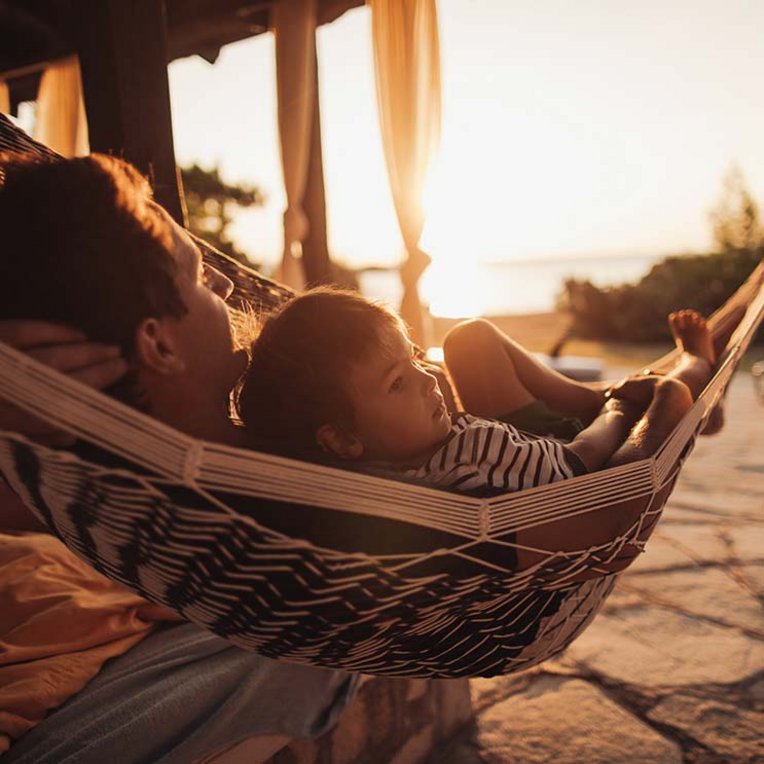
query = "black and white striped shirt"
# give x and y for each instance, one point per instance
(486, 455)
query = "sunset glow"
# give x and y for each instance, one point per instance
(601, 131)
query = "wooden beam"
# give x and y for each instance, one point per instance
(123, 56)
(315, 249)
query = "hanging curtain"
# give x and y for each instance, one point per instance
(5, 98)
(61, 122)
(294, 26)
(407, 66)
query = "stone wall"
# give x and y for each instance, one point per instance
(392, 721)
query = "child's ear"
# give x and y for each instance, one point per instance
(338, 441)
(156, 348)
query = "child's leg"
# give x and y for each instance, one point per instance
(494, 375)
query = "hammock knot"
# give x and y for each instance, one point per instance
(192, 462)
(484, 518)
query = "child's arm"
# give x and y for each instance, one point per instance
(669, 404)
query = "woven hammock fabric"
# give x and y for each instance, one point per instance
(324, 566)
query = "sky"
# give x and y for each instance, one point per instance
(594, 127)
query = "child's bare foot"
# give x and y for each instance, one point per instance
(691, 334)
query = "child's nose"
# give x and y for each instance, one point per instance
(429, 381)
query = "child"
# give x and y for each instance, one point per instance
(335, 372)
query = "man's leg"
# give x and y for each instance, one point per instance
(494, 375)
(180, 696)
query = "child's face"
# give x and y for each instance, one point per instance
(400, 415)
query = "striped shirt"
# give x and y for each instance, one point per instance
(485, 456)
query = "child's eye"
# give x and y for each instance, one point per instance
(397, 384)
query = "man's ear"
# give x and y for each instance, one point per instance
(338, 441)
(156, 348)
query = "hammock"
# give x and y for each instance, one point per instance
(325, 566)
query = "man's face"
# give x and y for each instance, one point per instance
(399, 412)
(203, 334)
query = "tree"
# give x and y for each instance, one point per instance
(209, 200)
(735, 219)
(637, 312)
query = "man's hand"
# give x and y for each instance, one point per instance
(672, 397)
(66, 350)
(638, 389)
(671, 400)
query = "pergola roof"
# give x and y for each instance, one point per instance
(36, 31)
(124, 47)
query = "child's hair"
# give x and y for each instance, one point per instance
(297, 378)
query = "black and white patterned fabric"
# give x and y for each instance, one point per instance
(286, 597)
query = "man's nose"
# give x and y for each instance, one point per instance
(219, 283)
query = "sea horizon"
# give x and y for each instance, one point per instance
(502, 288)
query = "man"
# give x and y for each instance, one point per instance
(108, 261)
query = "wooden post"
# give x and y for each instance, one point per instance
(122, 46)
(315, 249)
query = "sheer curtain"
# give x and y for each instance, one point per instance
(61, 122)
(294, 26)
(407, 68)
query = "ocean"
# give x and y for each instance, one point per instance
(505, 288)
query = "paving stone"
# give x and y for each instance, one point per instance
(622, 597)
(660, 554)
(677, 514)
(735, 733)
(701, 542)
(485, 692)
(708, 592)
(654, 647)
(681, 544)
(725, 501)
(567, 721)
(748, 541)
(754, 575)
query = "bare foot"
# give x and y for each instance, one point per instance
(691, 334)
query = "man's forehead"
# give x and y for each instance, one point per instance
(184, 250)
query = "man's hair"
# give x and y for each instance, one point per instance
(84, 245)
(297, 379)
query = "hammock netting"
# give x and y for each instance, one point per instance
(319, 565)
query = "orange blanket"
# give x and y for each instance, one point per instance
(60, 621)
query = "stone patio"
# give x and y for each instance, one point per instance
(673, 668)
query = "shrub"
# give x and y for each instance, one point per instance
(637, 312)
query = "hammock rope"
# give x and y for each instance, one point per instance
(325, 566)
